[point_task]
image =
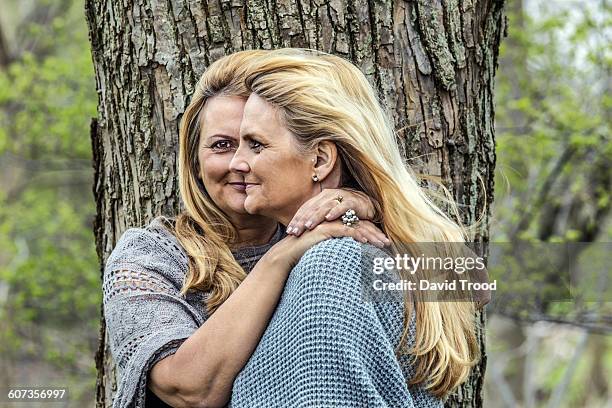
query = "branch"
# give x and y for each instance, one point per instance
(503, 388)
(599, 326)
(5, 55)
(562, 386)
(553, 175)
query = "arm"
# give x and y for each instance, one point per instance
(161, 340)
(202, 371)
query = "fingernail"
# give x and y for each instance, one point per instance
(289, 229)
(365, 240)
(308, 224)
(328, 216)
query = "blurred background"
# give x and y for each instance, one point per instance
(553, 110)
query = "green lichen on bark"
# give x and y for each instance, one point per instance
(452, 20)
(430, 20)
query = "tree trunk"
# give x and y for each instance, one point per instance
(433, 63)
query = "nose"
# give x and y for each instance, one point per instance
(239, 163)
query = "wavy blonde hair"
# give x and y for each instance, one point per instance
(323, 97)
(202, 228)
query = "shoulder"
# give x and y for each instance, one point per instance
(341, 259)
(152, 248)
(338, 274)
(357, 267)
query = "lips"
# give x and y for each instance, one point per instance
(241, 186)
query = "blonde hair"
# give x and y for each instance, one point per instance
(323, 97)
(202, 228)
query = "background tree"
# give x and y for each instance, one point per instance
(552, 90)
(433, 64)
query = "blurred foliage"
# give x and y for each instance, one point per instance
(553, 110)
(47, 101)
(553, 185)
(554, 148)
(48, 264)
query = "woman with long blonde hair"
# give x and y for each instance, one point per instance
(313, 121)
(187, 300)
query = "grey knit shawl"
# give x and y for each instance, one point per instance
(147, 319)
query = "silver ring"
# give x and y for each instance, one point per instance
(350, 219)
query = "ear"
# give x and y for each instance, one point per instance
(326, 161)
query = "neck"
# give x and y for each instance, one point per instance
(253, 230)
(331, 181)
(287, 217)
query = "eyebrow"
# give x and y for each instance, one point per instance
(251, 135)
(222, 136)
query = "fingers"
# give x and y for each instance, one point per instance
(369, 233)
(354, 200)
(365, 232)
(338, 209)
(325, 207)
(312, 212)
(296, 225)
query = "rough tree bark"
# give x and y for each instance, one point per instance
(432, 61)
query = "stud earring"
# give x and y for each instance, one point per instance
(315, 178)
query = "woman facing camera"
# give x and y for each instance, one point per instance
(187, 300)
(313, 122)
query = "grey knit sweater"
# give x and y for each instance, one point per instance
(331, 341)
(325, 346)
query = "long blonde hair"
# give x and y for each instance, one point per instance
(203, 229)
(323, 97)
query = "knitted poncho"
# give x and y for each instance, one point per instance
(325, 346)
(331, 342)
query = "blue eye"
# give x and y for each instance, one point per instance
(256, 146)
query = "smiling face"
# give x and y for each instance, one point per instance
(219, 136)
(277, 173)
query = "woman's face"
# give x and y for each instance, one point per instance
(278, 176)
(219, 136)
